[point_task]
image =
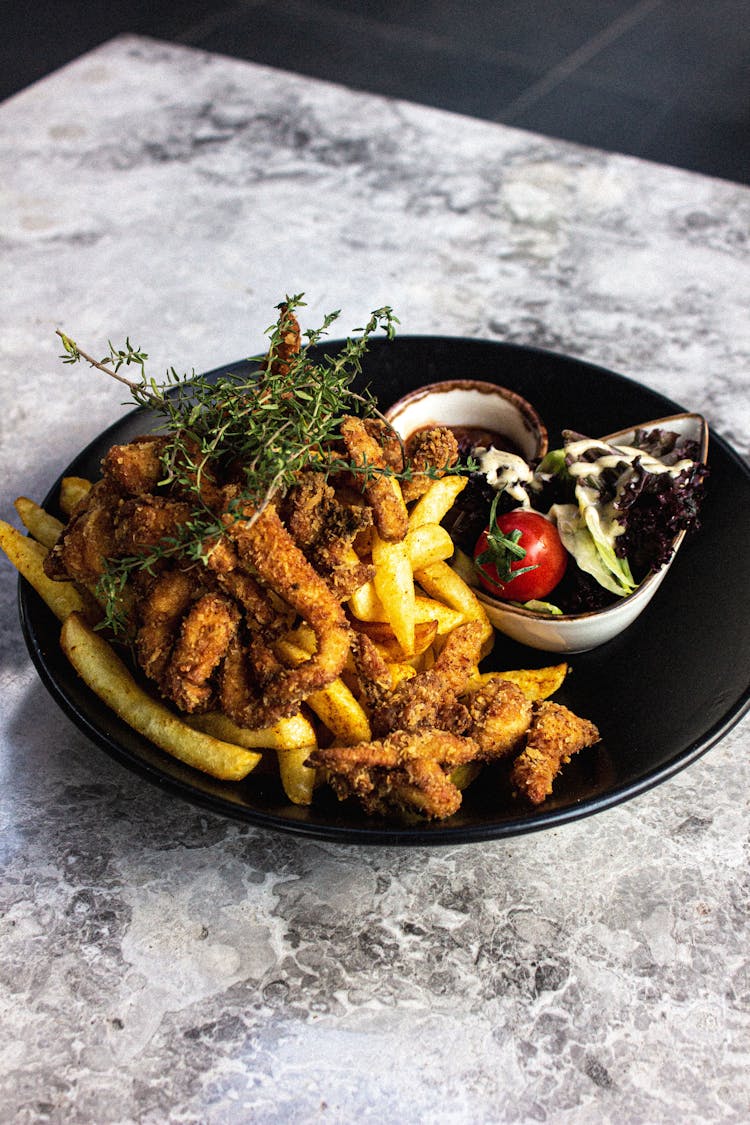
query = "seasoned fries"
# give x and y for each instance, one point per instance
(28, 558)
(442, 583)
(535, 683)
(40, 524)
(394, 585)
(334, 704)
(436, 502)
(72, 491)
(107, 676)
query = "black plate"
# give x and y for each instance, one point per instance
(662, 693)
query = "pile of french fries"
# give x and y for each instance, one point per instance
(413, 602)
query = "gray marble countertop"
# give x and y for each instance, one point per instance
(160, 962)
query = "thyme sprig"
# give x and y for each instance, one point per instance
(258, 427)
(271, 421)
(265, 423)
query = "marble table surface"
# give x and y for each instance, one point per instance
(160, 962)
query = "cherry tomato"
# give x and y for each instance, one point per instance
(519, 556)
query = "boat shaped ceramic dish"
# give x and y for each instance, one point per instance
(571, 633)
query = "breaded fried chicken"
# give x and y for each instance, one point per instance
(429, 699)
(435, 449)
(135, 468)
(204, 637)
(554, 736)
(499, 717)
(324, 526)
(88, 539)
(406, 770)
(382, 492)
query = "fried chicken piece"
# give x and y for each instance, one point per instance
(381, 489)
(435, 449)
(373, 673)
(499, 717)
(389, 442)
(262, 659)
(252, 598)
(342, 568)
(304, 508)
(87, 541)
(145, 521)
(236, 694)
(429, 699)
(206, 632)
(136, 467)
(266, 545)
(405, 770)
(325, 528)
(554, 736)
(160, 611)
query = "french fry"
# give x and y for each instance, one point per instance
(365, 603)
(102, 670)
(430, 609)
(28, 557)
(401, 671)
(394, 585)
(425, 545)
(72, 491)
(535, 683)
(335, 705)
(297, 778)
(292, 739)
(293, 733)
(428, 543)
(443, 584)
(437, 501)
(40, 524)
(371, 609)
(382, 634)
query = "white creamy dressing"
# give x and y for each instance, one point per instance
(506, 471)
(615, 455)
(586, 473)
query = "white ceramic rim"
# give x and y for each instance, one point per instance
(529, 416)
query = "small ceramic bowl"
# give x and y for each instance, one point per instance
(570, 633)
(469, 403)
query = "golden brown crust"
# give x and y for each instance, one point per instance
(266, 545)
(147, 521)
(554, 736)
(88, 539)
(136, 467)
(160, 611)
(406, 770)
(429, 454)
(204, 637)
(381, 489)
(499, 717)
(430, 699)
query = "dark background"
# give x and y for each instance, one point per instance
(667, 80)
